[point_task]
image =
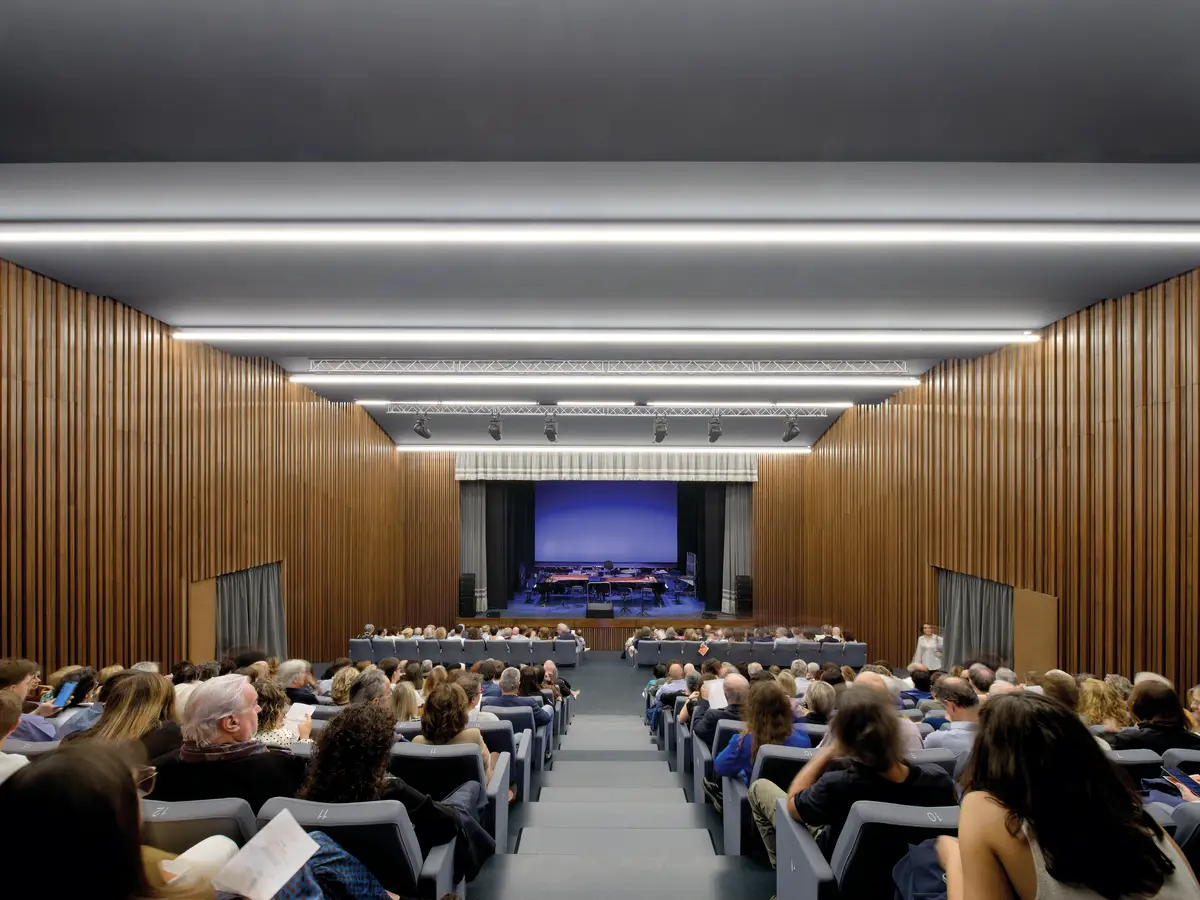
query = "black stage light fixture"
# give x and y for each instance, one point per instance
(791, 431)
(551, 429)
(660, 429)
(714, 430)
(421, 429)
(494, 427)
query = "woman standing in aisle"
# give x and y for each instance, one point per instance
(929, 648)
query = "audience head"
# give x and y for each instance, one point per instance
(876, 682)
(10, 713)
(146, 666)
(404, 702)
(439, 633)
(754, 668)
(445, 714)
(437, 675)
(226, 666)
(1092, 829)
(737, 689)
(867, 729)
(833, 676)
(273, 704)
(368, 629)
(390, 667)
(848, 674)
(1122, 685)
(768, 715)
(184, 673)
(551, 670)
(1002, 687)
(814, 671)
(426, 667)
(921, 680)
(788, 683)
(711, 667)
(674, 671)
(472, 686)
(531, 681)
(1100, 703)
(510, 680)
(981, 678)
(250, 657)
(1006, 675)
(293, 673)
(223, 710)
(350, 756)
(414, 674)
(1060, 687)
(1193, 700)
(959, 698)
(370, 687)
(1155, 703)
(693, 681)
(798, 668)
(660, 670)
(21, 676)
(339, 690)
(727, 668)
(135, 703)
(820, 698)
(487, 670)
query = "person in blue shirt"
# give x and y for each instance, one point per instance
(768, 721)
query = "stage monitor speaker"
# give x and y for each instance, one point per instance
(599, 609)
(466, 594)
(743, 591)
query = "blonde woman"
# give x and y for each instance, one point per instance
(141, 707)
(408, 633)
(339, 691)
(405, 703)
(1100, 704)
(436, 676)
(440, 634)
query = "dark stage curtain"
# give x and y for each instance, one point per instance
(701, 530)
(509, 536)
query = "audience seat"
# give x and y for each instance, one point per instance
(520, 653)
(875, 837)
(360, 650)
(175, 827)
(380, 835)
(1188, 760)
(785, 654)
(522, 720)
(500, 738)
(406, 648)
(926, 706)
(915, 714)
(690, 653)
(301, 749)
(647, 653)
(473, 652)
(452, 652)
(740, 652)
(1137, 764)
(429, 648)
(925, 729)
(764, 652)
(945, 759)
(1187, 829)
(906, 703)
(325, 712)
(564, 652)
(816, 733)
(717, 650)
(439, 770)
(31, 750)
(382, 648)
(542, 651)
(774, 763)
(683, 746)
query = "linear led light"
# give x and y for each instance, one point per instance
(610, 380)
(695, 404)
(595, 403)
(567, 448)
(690, 337)
(574, 234)
(447, 402)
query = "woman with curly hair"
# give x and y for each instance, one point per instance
(339, 691)
(350, 765)
(1100, 704)
(444, 721)
(273, 706)
(768, 720)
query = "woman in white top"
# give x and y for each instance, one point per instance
(1047, 817)
(929, 649)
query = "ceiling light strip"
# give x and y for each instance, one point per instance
(567, 448)
(782, 381)
(607, 367)
(614, 234)
(796, 410)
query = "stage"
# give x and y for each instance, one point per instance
(529, 605)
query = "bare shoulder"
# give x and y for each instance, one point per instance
(987, 817)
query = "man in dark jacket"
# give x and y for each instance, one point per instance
(737, 689)
(296, 677)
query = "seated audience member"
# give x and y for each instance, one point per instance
(1100, 704)
(673, 685)
(1161, 725)
(273, 706)
(325, 685)
(768, 721)
(848, 675)
(922, 688)
(867, 731)
(1006, 675)
(90, 716)
(22, 678)
(1003, 687)
(531, 683)
(434, 679)
(913, 667)
(405, 703)
(660, 678)
(414, 675)
(961, 702)
(339, 690)
(510, 684)
(1193, 701)
(819, 704)
(737, 690)
(439, 633)
(489, 674)
(141, 707)
(471, 685)
(910, 734)
(1061, 687)
(362, 665)
(554, 679)
(10, 717)
(219, 757)
(444, 721)
(296, 677)
(367, 632)
(184, 678)
(1122, 685)
(1026, 831)
(981, 678)
(832, 676)
(390, 667)
(371, 687)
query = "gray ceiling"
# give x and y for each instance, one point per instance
(923, 80)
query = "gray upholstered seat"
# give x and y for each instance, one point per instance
(325, 712)
(474, 651)
(543, 652)
(785, 651)
(1137, 764)
(915, 714)
(740, 652)
(429, 648)
(647, 652)
(691, 653)
(1187, 827)
(1188, 760)
(380, 835)
(440, 769)
(452, 651)
(175, 827)
(360, 650)
(944, 759)
(816, 733)
(522, 720)
(875, 837)
(500, 738)
(565, 652)
(774, 763)
(406, 648)
(382, 648)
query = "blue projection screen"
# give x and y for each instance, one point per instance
(593, 521)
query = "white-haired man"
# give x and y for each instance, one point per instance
(295, 675)
(219, 757)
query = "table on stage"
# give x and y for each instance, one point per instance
(587, 581)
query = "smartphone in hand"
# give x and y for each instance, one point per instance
(64, 694)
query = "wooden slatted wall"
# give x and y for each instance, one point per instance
(1069, 467)
(430, 517)
(134, 464)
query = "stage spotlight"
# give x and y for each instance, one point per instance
(551, 430)
(421, 429)
(714, 430)
(660, 429)
(791, 431)
(494, 428)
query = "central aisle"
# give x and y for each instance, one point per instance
(611, 819)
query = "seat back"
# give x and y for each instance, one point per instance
(876, 836)
(717, 650)
(408, 730)
(780, 764)
(1188, 760)
(1187, 829)
(785, 653)
(915, 714)
(925, 729)
(564, 652)
(944, 759)
(691, 653)
(815, 732)
(809, 651)
(429, 648)
(763, 652)
(175, 827)
(499, 737)
(473, 652)
(1136, 764)
(360, 650)
(377, 833)
(520, 653)
(521, 717)
(647, 652)
(928, 705)
(452, 651)
(543, 652)
(855, 654)
(726, 730)
(739, 652)
(905, 703)
(325, 712)
(382, 648)
(29, 749)
(406, 648)
(437, 769)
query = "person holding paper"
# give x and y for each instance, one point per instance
(273, 727)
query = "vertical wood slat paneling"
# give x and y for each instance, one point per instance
(135, 464)
(1069, 467)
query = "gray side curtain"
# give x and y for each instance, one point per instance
(977, 618)
(739, 552)
(472, 552)
(250, 612)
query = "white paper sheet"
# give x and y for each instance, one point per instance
(268, 860)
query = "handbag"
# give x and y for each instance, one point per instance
(919, 875)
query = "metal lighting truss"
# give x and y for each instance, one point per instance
(610, 366)
(449, 407)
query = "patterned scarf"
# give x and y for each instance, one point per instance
(191, 752)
